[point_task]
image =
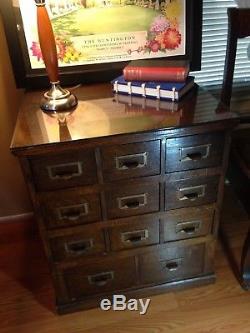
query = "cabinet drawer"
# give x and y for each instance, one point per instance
(191, 192)
(132, 200)
(134, 234)
(69, 207)
(76, 242)
(193, 152)
(100, 278)
(66, 170)
(187, 223)
(131, 160)
(170, 264)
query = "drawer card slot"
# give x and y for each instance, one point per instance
(188, 228)
(192, 193)
(189, 192)
(195, 153)
(134, 161)
(132, 201)
(68, 169)
(73, 212)
(76, 242)
(135, 236)
(79, 247)
(135, 233)
(101, 279)
(131, 160)
(188, 223)
(65, 171)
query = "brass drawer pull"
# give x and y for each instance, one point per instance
(196, 153)
(173, 265)
(73, 212)
(192, 193)
(65, 171)
(101, 279)
(132, 201)
(135, 161)
(188, 228)
(79, 247)
(134, 236)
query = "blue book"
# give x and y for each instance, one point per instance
(160, 90)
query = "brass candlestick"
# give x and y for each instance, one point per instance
(56, 99)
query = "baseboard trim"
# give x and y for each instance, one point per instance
(17, 218)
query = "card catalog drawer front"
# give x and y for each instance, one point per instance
(193, 152)
(65, 170)
(70, 207)
(132, 200)
(101, 278)
(77, 242)
(187, 223)
(135, 234)
(172, 264)
(131, 160)
(191, 192)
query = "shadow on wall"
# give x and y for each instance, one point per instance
(14, 198)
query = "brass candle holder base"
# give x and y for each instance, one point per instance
(58, 99)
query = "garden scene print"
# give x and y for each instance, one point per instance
(99, 31)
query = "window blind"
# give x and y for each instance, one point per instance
(214, 41)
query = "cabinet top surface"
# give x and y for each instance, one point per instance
(100, 114)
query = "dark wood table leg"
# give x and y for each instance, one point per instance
(245, 263)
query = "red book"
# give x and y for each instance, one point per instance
(156, 70)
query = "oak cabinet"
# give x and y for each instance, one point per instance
(127, 200)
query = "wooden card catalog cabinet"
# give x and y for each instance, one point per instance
(127, 202)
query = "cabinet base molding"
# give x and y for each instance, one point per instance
(93, 302)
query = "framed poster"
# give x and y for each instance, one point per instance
(95, 39)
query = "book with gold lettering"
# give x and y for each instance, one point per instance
(157, 70)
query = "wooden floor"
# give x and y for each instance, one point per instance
(26, 296)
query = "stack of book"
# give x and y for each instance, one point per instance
(157, 79)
